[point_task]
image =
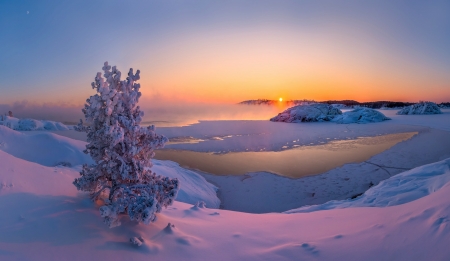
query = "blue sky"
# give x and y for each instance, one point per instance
(51, 50)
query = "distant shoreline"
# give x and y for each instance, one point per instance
(348, 103)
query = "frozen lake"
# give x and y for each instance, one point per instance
(237, 147)
(346, 159)
(295, 163)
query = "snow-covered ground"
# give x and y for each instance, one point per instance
(399, 189)
(403, 218)
(45, 152)
(44, 218)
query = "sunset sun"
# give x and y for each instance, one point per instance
(280, 99)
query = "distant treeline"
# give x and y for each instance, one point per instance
(444, 105)
(373, 105)
(348, 103)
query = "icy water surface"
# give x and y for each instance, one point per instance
(293, 150)
(298, 162)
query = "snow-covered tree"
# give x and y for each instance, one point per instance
(122, 151)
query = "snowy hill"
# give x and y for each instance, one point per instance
(31, 124)
(399, 189)
(360, 115)
(48, 149)
(421, 108)
(308, 113)
(45, 218)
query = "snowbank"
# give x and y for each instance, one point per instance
(31, 124)
(44, 217)
(399, 189)
(421, 108)
(308, 113)
(360, 115)
(193, 188)
(49, 149)
(21, 176)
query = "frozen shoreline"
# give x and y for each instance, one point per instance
(244, 193)
(298, 162)
(45, 217)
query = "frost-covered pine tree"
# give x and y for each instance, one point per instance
(122, 151)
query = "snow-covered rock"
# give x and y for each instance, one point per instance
(308, 113)
(31, 124)
(360, 115)
(421, 108)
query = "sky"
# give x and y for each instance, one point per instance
(224, 52)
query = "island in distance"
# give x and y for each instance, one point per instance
(338, 103)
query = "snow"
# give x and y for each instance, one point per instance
(282, 193)
(308, 113)
(194, 187)
(122, 151)
(236, 136)
(360, 115)
(41, 221)
(421, 108)
(323, 112)
(55, 152)
(47, 149)
(435, 121)
(31, 124)
(399, 189)
(404, 217)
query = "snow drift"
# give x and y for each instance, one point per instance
(194, 188)
(399, 189)
(48, 149)
(421, 108)
(308, 113)
(360, 115)
(31, 124)
(43, 217)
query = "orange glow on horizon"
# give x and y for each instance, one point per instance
(326, 67)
